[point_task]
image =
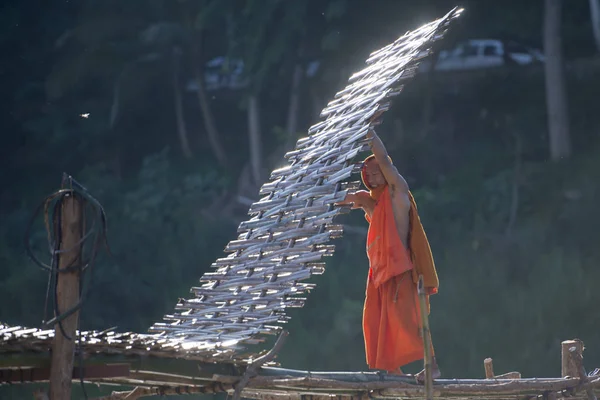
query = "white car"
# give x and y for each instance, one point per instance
(483, 53)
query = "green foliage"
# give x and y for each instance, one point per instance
(508, 294)
(157, 233)
(161, 235)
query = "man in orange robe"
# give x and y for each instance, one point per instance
(398, 252)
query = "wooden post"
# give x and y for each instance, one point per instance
(569, 367)
(489, 368)
(426, 338)
(577, 357)
(63, 348)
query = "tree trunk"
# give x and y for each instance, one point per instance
(114, 108)
(255, 138)
(181, 130)
(595, 15)
(294, 106)
(556, 96)
(207, 116)
(514, 201)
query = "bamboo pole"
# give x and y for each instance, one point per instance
(509, 375)
(374, 377)
(139, 392)
(488, 365)
(426, 338)
(275, 395)
(458, 387)
(252, 370)
(67, 296)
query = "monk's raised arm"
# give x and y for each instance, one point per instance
(389, 171)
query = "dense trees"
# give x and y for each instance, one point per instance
(125, 96)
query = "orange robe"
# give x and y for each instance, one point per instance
(391, 315)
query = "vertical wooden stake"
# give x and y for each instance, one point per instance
(569, 368)
(577, 357)
(426, 339)
(63, 348)
(489, 368)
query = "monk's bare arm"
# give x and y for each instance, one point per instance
(360, 199)
(389, 171)
(398, 187)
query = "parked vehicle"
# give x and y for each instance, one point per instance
(483, 53)
(226, 73)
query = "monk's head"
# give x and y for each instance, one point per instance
(371, 174)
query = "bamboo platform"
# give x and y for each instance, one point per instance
(286, 384)
(257, 378)
(282, 384)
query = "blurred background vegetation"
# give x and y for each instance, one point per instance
(172, 113)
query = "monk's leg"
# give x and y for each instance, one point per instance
(400, 340)
(379, 346)
(436, 373)
(371, 321)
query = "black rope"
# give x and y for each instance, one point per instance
(92, 210)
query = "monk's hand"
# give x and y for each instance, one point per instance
(375, 117)
(361, 198)
(349, 199)
(357, 199)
